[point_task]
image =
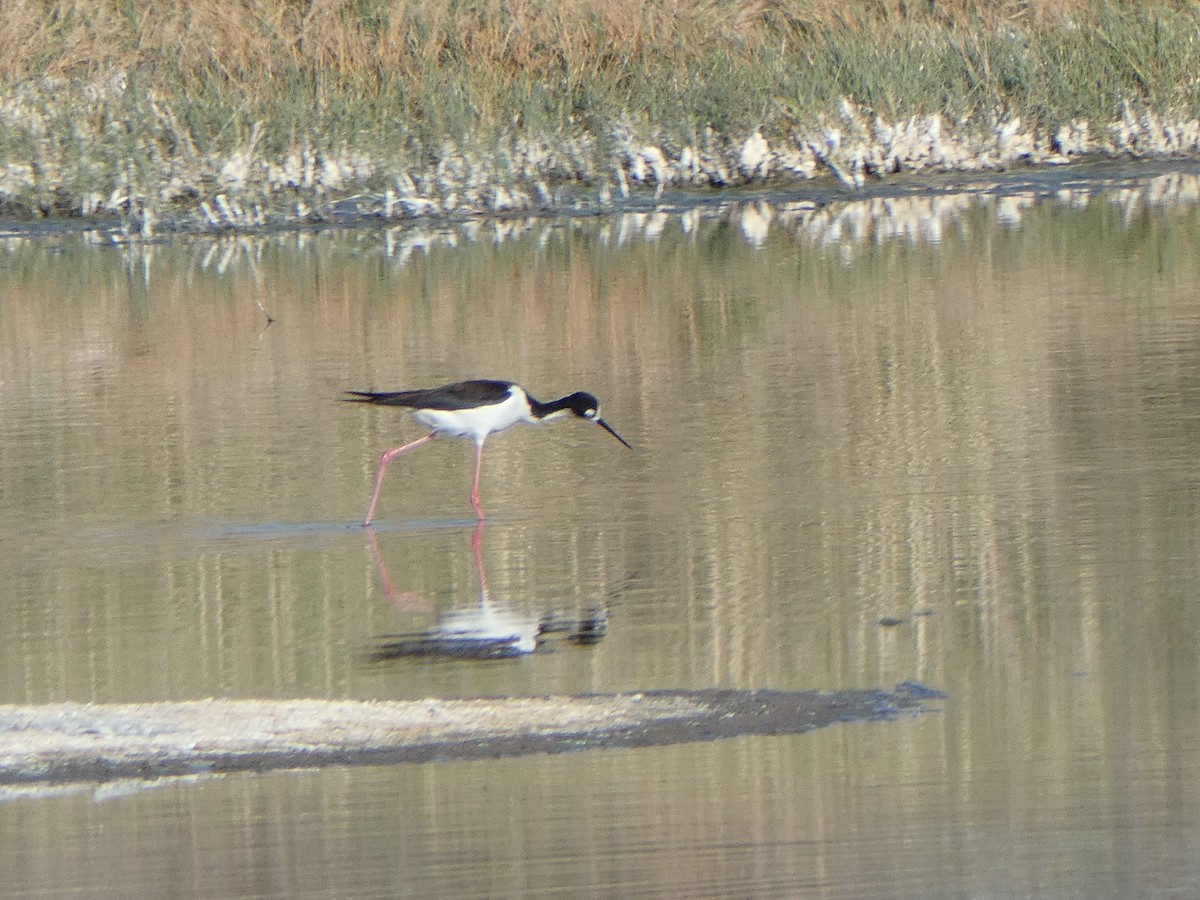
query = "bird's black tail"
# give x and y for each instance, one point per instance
(384, 398)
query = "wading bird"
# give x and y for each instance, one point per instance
(475, 409)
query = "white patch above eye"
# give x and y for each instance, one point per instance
(591, 413)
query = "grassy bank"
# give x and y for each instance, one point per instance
(237, 112)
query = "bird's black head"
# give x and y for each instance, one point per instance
(587, 407)
(583, 405)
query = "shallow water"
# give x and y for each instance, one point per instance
(975, 412)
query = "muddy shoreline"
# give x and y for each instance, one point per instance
(1034, 182)
(69, 742)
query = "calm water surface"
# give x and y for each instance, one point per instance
(977, 413)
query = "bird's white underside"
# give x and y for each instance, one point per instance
(481, 421)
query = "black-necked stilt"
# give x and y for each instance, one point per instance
(475, 409)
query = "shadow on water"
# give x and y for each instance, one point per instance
(489, 630)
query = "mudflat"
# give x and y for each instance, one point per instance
(98, 742)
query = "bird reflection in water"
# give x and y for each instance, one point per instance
(486, 631)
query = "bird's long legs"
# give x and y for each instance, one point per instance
(384, 461)
(475, 501)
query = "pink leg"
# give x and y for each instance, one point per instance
(475, 501)
(383, 464)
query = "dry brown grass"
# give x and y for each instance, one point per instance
(360, 42)
(117, 104)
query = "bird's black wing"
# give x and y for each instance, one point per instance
(460, 395)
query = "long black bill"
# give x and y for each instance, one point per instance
(609, 429)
